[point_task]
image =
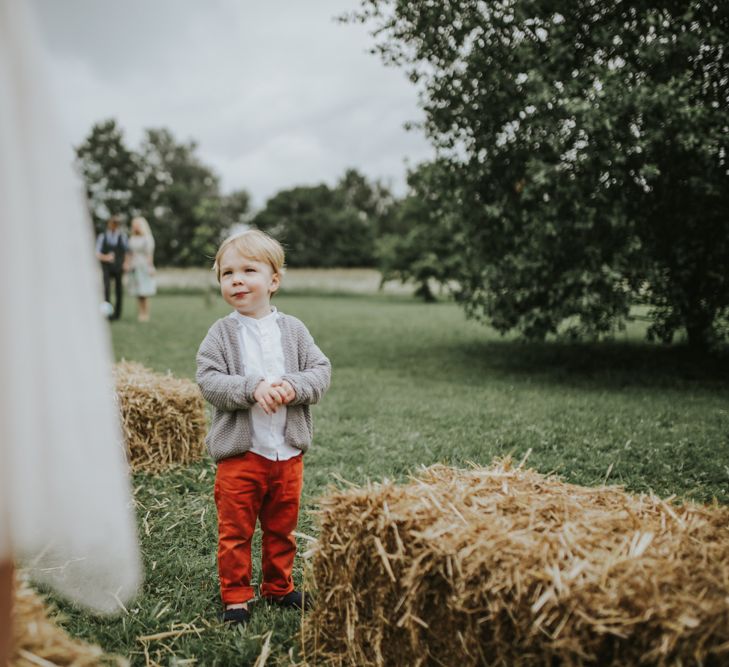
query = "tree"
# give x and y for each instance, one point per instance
(183, 199)
(421, 244)
(372, 201)
(235, 208)
(328, 227)
(300, 219)
(589, 142)
(110, 171)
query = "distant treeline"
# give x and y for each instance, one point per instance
(165, 181)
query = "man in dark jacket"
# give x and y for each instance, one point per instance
(111, 251)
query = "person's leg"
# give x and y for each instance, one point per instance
(119, 294)
(6, 603)
(107, 284)
(239, 489)
(143, 314)
(279, 515)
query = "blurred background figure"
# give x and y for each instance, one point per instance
(65, 502)
(140, 262)
(111, 250)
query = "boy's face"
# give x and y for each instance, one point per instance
(246, 284)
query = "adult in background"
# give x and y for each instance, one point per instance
(140, 260)
(111, 251)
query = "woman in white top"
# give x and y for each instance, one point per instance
(140, 265)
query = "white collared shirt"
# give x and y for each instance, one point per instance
(262, 354)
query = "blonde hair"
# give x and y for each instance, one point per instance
(146, 230)
(256, 245)
(142, 222)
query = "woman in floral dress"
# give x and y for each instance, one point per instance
(141, 266)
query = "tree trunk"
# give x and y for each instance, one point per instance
(424, 292)
(698, 329)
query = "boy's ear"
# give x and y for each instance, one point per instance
(275, 283)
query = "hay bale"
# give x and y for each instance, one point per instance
(163, 417)
(37, 640)
(504, 566)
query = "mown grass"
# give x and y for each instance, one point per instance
(413, 385)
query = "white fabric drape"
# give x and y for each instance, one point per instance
(65, 505)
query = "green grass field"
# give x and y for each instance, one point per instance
(413, 384)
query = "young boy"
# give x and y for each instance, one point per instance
(260, 370)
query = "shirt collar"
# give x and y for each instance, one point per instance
(253, 322)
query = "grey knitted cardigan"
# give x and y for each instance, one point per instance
(226, 386)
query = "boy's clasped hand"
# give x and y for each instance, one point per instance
(270, 396)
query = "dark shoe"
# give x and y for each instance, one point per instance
(239, 615)
(293, 600)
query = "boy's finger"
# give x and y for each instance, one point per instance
(282, 394)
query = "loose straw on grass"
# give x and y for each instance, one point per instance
(163, 418)
(504, 566)
(38, 641)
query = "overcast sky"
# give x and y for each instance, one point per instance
(275, 93)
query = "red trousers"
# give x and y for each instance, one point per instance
(250, 487)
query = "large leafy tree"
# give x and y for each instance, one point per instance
(589, 141)
(326, 227)
(110, 171)
(300, 218)
(371, 201)
(183, 198)
(422, 244)
(236, 208)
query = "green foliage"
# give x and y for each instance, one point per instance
(321, 226)
(421, 245)
(589, 144)
(165, 182)
(413, 385)
(183, 200)
(110, 171)
(236, 207)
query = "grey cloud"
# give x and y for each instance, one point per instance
(276, 94)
